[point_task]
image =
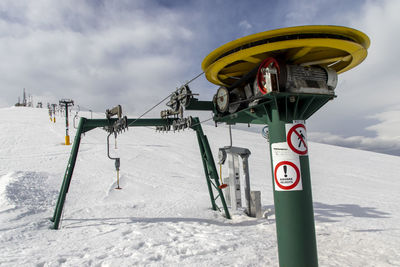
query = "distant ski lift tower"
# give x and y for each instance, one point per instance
(53, 106)
(24, 102)
(66, 103)
(30, 101)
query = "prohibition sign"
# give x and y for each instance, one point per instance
(291, 164)
(301, 147)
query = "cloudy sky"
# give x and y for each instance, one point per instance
(134, 53)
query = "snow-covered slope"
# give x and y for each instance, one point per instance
(162, 215)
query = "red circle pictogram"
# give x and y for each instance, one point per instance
(297, 174)
(300, 137)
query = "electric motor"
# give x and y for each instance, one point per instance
(273, 76)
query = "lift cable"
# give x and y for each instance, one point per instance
(202, 121)
(153, 107)
(84, 108)
(197, 76)
(230, 135)
(168, 96)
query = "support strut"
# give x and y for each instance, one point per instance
(68, 175)
(209, 168)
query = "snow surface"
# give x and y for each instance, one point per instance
(163, 216)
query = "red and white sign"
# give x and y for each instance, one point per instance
(296, 137)
(287, 171)
(287, 176)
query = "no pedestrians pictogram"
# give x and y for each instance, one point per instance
(296, 139)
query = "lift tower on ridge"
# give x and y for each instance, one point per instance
(66, 103)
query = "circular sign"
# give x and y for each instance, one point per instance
(287, 175)
(297, 140)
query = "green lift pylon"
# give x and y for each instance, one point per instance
(86, 125)
(280, 78)
(293, 210)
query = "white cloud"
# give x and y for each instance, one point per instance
(376, 79)
(301, 12)
(371, 87)
(245, 25)
(387, 139)
(366, 113)
(389, 126)
(98, 56)
(102, 53)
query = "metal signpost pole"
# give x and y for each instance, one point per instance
(293, 209)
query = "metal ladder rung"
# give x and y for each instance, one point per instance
(213, 184)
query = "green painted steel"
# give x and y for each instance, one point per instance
(293, 106)
(209, 167)
(66, 120)
(200, 105)
(68, 175)
(95, 123)
(293, 209)
(90, 124)
(206, 172)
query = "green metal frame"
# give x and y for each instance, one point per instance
(86, 125)
(291, 107)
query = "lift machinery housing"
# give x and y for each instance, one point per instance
(273, 75)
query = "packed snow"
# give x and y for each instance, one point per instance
(163, 216)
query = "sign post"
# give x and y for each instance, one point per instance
(293, 200)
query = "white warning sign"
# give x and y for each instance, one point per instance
(296, 137)
(286, 164)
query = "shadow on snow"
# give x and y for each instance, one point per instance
(78, 223)
(335, 213)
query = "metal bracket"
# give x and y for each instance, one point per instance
(120, 124)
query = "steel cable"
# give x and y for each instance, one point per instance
(165, 98)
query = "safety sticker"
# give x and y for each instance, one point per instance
(287, 171)
(296, 137)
